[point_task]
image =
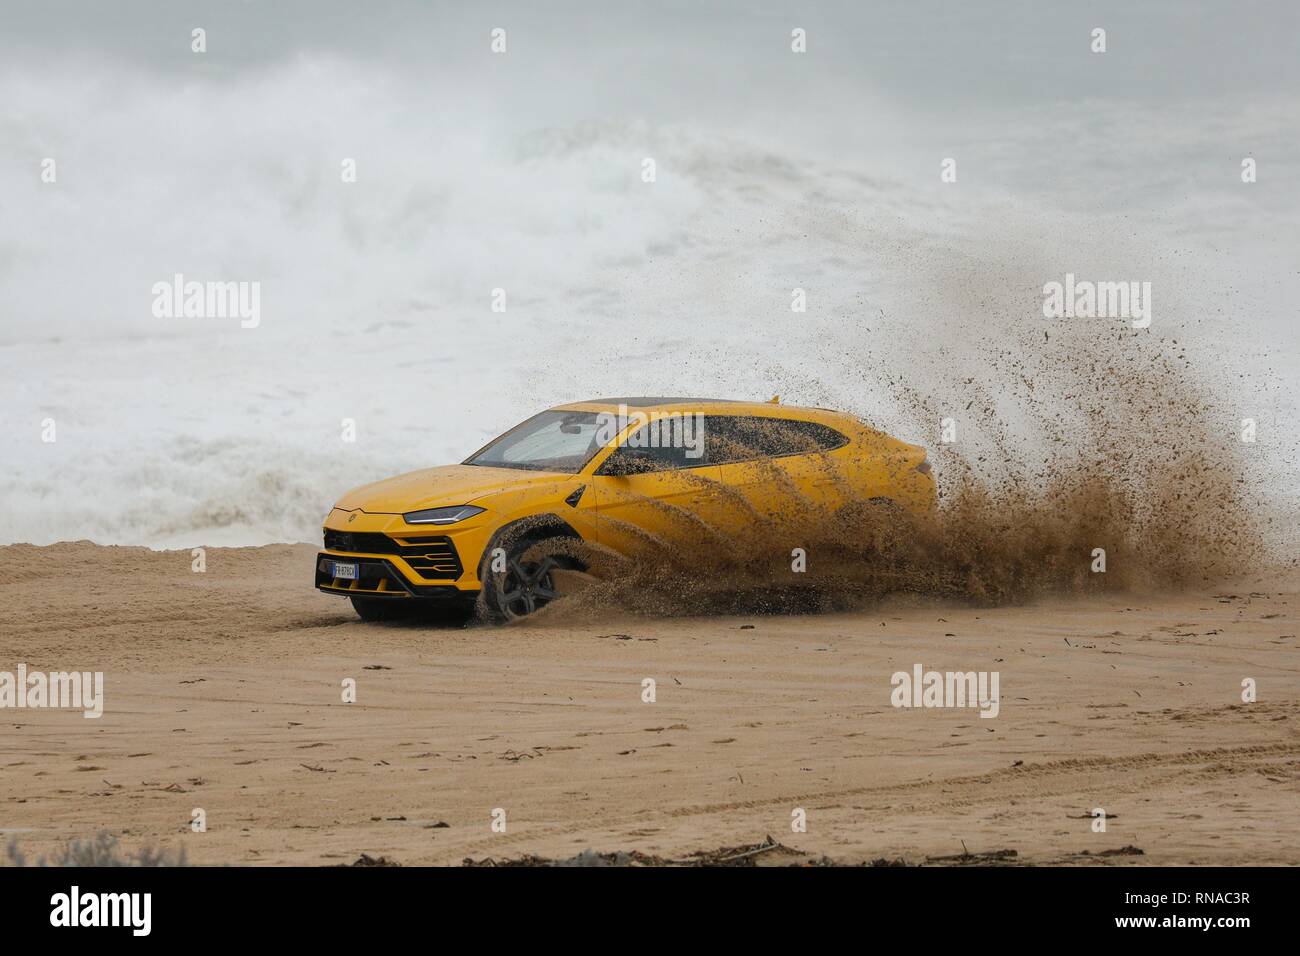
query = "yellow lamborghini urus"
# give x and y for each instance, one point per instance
(613, 473)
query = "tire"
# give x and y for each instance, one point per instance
(525, 586)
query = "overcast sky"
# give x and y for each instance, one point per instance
(1012, 83)
(651, 56)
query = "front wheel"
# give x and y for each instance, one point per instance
(525, 579)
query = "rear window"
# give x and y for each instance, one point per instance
(731, 438)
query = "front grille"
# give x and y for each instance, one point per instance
(377, 577)
(433, 557)
(360, 542)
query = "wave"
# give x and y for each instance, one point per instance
(377, 298)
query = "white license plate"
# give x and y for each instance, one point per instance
(346, 572)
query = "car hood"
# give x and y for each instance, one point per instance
(439, 487)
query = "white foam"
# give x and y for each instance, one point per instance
(376, 295)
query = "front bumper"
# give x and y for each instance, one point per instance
(378, 577)
(397, 559)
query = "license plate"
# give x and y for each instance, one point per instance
(346, 572)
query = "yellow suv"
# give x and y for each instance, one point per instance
(617, 473)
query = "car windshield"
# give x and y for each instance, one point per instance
(552, 441)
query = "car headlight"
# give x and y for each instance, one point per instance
(442, 515)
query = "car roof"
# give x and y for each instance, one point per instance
(652, 402)
(729, 406)
(659, 406)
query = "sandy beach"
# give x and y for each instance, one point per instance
(223, 692)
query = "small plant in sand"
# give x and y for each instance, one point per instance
(100, 850)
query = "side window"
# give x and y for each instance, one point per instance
(732, 438)
(726, 441)
(823, 437)
(649, 449)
